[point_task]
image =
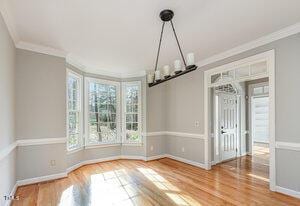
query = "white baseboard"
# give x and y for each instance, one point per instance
(286, 191)
(41, 179)
(155, 157)
(180, 159)
(86, 162)
(133, 157)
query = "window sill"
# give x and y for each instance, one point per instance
(133, 144)
(74, 150)
(102, 145)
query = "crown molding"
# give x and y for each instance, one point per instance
(280, 34)
(41, 49)
(83, 66)
(9, 21)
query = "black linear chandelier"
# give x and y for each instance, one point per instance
(189, 66)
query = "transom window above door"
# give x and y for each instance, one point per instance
(238, 73)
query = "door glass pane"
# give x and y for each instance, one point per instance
(215, 78)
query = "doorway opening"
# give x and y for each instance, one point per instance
(239, 111)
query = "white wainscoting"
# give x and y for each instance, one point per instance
(29, 142)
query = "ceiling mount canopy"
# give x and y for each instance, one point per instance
(155, 79)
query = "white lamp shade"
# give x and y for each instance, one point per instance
(190, 59)
(150, 78)
(157, 75)
(166, 70)
(177, 65)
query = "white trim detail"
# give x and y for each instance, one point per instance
(181, 134)
(41, 49)
(41, 179)
(7, 150)
(152, 134)
(288, 145)
(285, 32)
(177, 134)
(286, 191)
(41, 141)
(12, 193)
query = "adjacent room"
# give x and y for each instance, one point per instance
(137, 103)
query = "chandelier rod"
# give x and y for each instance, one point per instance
(178, 44)
(161, 34)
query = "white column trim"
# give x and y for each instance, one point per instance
(7, 150)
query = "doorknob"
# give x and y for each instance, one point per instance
(222, 132)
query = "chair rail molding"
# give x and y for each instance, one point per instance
(177, 134)
(288, 145)
(41, 141)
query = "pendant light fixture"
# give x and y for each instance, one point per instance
(155, 79)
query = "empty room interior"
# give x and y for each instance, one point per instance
(137, 103)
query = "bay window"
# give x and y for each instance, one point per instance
(102, 112)
(131, 95)
(74, 110)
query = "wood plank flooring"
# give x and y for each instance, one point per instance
(160, 182)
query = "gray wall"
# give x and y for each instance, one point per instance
(7, 110)
(287, 102)
(40, 112)
(41, 95)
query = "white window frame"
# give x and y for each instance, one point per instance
(124, 85)
(118, 112)
(80, 78)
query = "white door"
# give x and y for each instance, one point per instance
(228, 126)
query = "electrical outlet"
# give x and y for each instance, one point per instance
(52, 163)
(182, 149)
(197, 123)
(151, 148)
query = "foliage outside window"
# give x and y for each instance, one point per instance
(102, 112)
(74, 110)
(132, 112)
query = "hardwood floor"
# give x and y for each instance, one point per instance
(160, 182)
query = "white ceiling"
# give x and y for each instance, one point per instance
(121, 36)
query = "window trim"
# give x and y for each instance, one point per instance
(87, 80)
(124, 141)
(78, 76)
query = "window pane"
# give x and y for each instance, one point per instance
(132, 133)
(242, 72)
(258, 90)
(215, 78)
(259, 68)
(73, 141)
(73, 122)
(74, 111)
(102, 113)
